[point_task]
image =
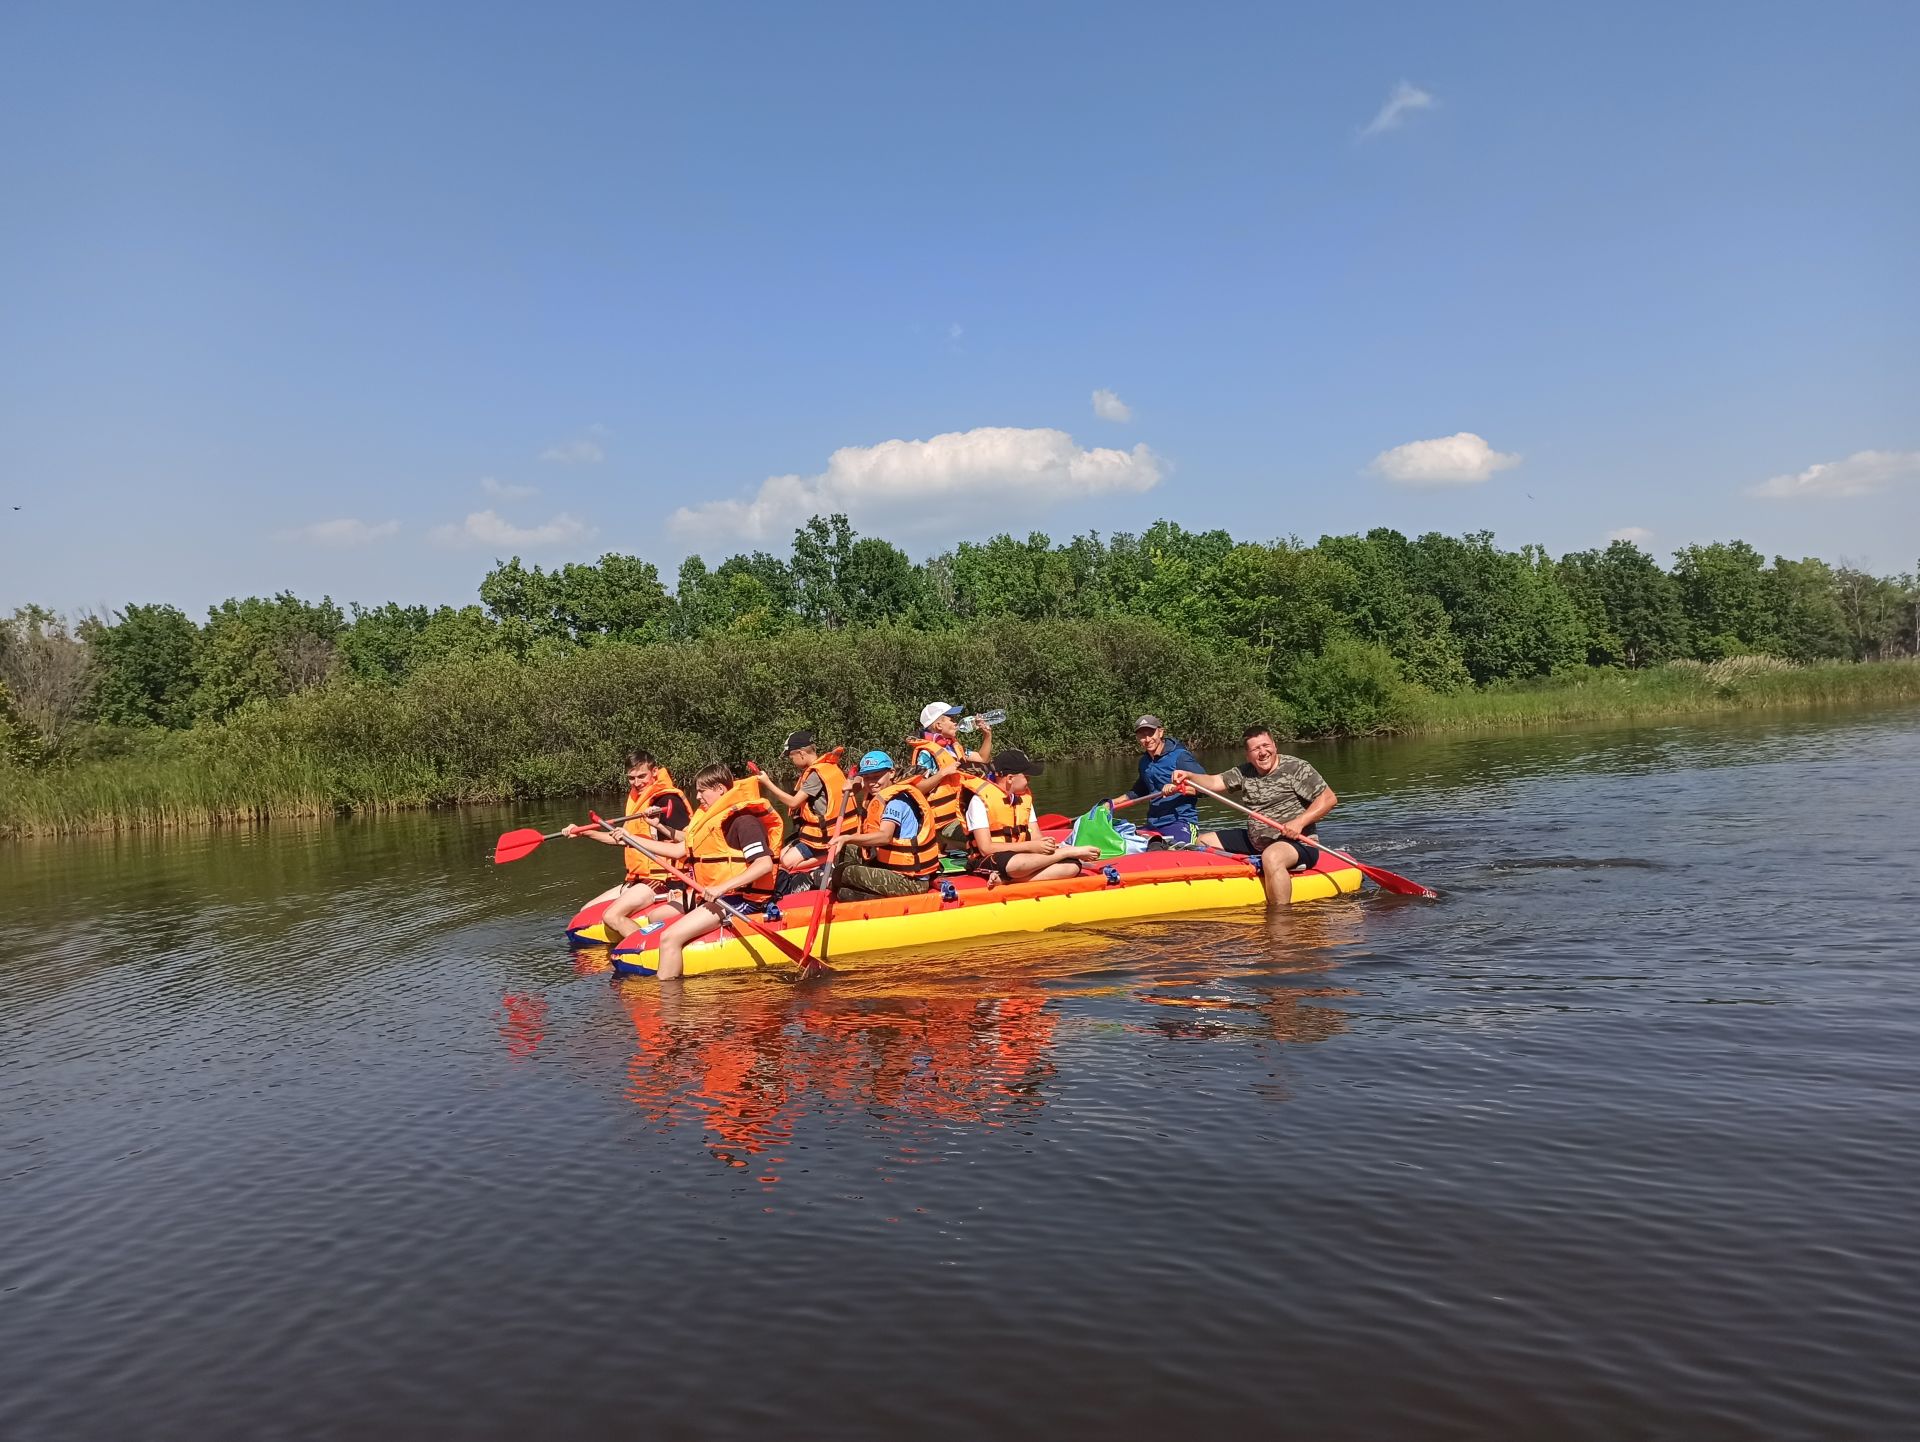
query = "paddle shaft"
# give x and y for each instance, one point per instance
(729, 918)
(525, 843)
(1380, 876)
(823, 913)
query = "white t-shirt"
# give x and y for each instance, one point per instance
(977, 815)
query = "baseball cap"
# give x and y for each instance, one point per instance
(875, 761)
(1149, 722)
(934, 710)
(799, 739)
(1017, 761)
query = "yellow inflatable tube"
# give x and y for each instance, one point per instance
(724, 951)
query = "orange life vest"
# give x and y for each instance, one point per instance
(640, 866)
(921, 855)
(811, 830)
(714, 858)
(1009, 818)
(946, 801)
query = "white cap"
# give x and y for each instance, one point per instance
(934, 710)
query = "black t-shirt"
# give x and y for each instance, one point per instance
(747, 834)
(673, 813)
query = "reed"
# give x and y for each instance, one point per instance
(1736, 683)
(492, 728)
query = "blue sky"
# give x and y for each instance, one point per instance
(354, 299)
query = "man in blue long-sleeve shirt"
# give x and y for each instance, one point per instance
(1175, 817)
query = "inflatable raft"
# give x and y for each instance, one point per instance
(1151, 884)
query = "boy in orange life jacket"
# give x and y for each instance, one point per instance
(656, 805)
(896, 827)
(938, 748)
(1001, 830)
(818, 796)
(732, 841)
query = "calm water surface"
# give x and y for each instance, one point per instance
(322, 1131)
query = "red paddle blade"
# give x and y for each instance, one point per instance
(1390, 881)
(516, 844)
(1053, 821)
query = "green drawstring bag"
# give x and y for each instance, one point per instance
(1096, 829)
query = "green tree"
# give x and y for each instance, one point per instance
(1806, 622)
(618, 598)
(146, 667)
(255, 649)
(1629, 605)
(1723, 593)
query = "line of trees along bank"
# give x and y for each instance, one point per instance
(1341, 636)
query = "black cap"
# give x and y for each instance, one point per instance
(1018, 761)
(799, 739)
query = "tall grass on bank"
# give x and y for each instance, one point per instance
(492, 728)
(1736, 683)
(495, 729)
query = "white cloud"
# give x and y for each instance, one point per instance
(507, 490)
(1405, 98)
(955, 331)
(1636, 534)
(585, 451)
(1109, 407)
(1462, 459)
(960, 477)
(343, 532)
(1860, 474)
(490, 528)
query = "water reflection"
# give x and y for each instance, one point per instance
(742, 1066)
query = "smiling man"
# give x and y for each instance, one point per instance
(1284, 788)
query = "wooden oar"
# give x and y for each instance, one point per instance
(1378, 875)
(513, 845)
(729, 918)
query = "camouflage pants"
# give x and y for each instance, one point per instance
(861, 883)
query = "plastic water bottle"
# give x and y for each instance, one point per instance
(967, 725)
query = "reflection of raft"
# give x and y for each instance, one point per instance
(1152, 884)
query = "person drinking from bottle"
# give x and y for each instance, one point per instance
(729, 845)
(939, 748)
(1284, 789)
(816, 801)
(1174, 814)
(655, 806)
(897, 847)
(1001, 830)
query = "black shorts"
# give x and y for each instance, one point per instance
(997, 864)
(807, 853)
(1239, 841)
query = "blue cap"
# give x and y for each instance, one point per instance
(875, 761)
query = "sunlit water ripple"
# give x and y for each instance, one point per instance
(320, 1131)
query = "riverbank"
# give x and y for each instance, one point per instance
(495, 731)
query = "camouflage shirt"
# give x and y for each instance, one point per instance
(1282, 793)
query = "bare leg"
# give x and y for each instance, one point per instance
(618, 918)
(1275, 862)
(695, 923)
(1039, 866)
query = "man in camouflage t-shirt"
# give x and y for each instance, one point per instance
(1284, 788)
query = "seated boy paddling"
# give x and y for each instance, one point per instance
(1284, 788)
(1002, 834)
(897, 833)
(730, 844)
(819, 794)
(656, 805)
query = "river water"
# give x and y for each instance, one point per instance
(321, 1130)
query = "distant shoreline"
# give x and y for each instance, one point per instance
(168, 784)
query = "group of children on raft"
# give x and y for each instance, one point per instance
(894, 820)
